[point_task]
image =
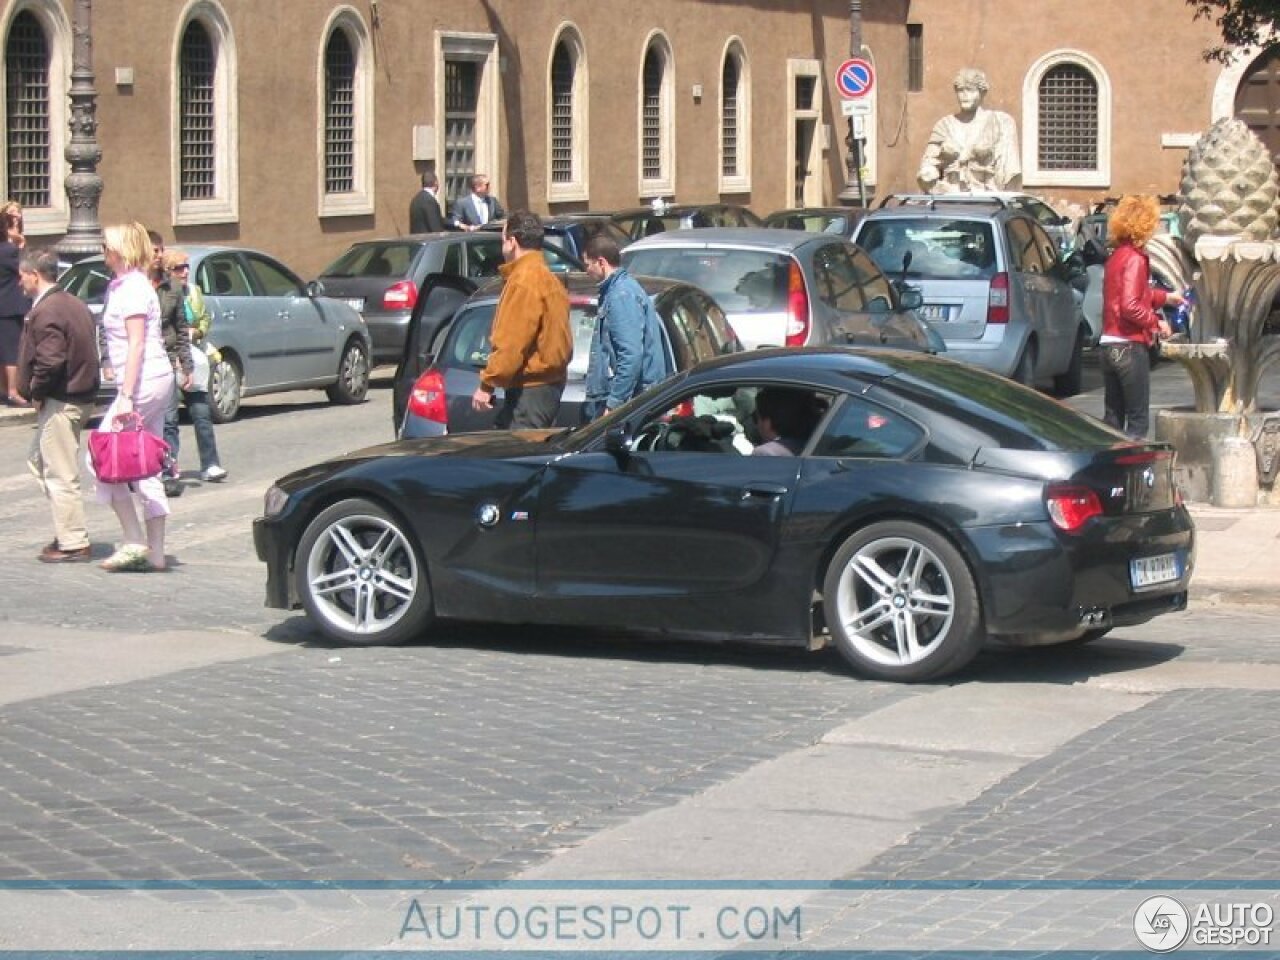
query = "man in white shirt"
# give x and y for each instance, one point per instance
(478, 207)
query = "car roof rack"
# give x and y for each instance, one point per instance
(933, 200)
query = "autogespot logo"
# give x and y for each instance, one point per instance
(1161, 924)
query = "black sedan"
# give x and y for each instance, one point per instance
(931, 505)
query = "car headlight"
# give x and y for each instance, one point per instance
(274, 502)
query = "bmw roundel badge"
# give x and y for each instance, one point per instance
(488, 514)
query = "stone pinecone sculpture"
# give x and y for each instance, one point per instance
(1229, 185)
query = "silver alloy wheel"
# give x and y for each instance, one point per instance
(362, 574)
(895, 601)
(354, 372)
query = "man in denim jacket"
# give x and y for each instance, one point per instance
(626, 348)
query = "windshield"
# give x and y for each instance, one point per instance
(88, 281)
(741, 281)
(940, 248)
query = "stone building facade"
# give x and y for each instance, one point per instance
(298, 126)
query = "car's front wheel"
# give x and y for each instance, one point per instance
(901, 603)
(360, 576)
(226, 386)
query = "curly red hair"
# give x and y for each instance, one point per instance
(1134, 221)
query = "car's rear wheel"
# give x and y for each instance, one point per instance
(360, 577)
(352, 384)
(1069, 382)
(226, 386)
(1025, 372)
(901, 603)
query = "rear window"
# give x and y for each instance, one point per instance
(940, 248)
(468, 345)
(741, 281)
(374, 260)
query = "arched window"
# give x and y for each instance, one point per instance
(339, 114)
(206, 171)
(27, 111)
(657, 162)
(345, 123)
(1066, 122)
(198, 138)
(735, 121)
(567, 124)
(37, 54)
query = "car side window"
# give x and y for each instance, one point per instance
(1022, 247)
(1048, 249)
(484, 256)
(557, 260)
(223, 276)
(875, 285)
(452, 260)
(837, 281)
(725, 419)
(273, 279)
(864, 429)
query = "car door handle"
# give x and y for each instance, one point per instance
(229, 315)
(769, 491)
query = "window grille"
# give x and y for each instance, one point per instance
(729, 83)
(339, 114)
(1068, 106)
(915, 57)
(27, 110)
(198, 180)
(562, 77)
(461, 98)
(651, 132)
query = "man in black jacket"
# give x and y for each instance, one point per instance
(58, 373)
(424, 209)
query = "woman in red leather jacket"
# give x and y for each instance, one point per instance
(1130, 324)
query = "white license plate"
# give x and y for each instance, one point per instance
(1152, 571)
(356, 303)
(936, 312)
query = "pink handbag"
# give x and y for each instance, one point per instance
(127, 453)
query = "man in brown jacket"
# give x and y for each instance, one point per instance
(530, 343)
(58, 373)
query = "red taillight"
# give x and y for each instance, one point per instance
(998, 299)
(1071, 507)
(427, 399)
(400, 296)
(797, 307)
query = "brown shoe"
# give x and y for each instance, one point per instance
(52, 554)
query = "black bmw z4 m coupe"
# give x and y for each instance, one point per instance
(920, 507)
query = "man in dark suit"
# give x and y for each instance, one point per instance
(477, 208)
(424, 209)
(58, 373)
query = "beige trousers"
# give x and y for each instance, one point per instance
(54, 461)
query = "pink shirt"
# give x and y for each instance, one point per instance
(132, 295)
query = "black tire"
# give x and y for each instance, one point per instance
(1025, 372)
(1069, 382)
(374, 580)
(352, 384)
(902, 579)
(226, 389)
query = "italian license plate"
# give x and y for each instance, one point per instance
(356, 303)
(1152, 571)
(936, 312)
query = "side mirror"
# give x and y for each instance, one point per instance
(315, 289)
(911, 299)
(617, 439)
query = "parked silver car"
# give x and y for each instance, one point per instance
(993, 285)
(273, 332)
(787, 287)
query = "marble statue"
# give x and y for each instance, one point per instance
(973, 149)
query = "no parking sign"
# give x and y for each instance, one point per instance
(855, 78)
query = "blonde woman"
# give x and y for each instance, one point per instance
(1130, 323)
(135, 343)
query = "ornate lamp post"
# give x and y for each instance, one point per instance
(84, 186)
(854, 188)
